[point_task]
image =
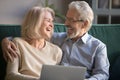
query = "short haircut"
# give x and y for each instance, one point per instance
(84, 10)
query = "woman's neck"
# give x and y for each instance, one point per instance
(39, 44)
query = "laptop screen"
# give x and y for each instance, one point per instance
(58, 72)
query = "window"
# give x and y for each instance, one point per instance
(106, 11)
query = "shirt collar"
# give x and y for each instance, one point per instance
(84, 38)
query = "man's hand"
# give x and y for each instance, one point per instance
(9, 49)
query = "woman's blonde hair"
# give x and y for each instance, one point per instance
(33, 20)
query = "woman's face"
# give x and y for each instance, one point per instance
(47, 26)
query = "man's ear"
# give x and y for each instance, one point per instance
(85, 24)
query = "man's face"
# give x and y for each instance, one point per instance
(75, 28)
(47, 26)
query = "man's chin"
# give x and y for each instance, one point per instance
(70, 35)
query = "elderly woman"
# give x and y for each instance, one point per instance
(33, 48)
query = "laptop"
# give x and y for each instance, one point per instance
(59, 72)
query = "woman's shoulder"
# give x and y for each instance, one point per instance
(16, 39)
(19, 40)
(53, 46)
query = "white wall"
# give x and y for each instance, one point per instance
(13, 11)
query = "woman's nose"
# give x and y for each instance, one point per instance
(51, 24)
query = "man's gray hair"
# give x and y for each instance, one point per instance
(84, 10)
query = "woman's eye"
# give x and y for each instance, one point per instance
(47, 20)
